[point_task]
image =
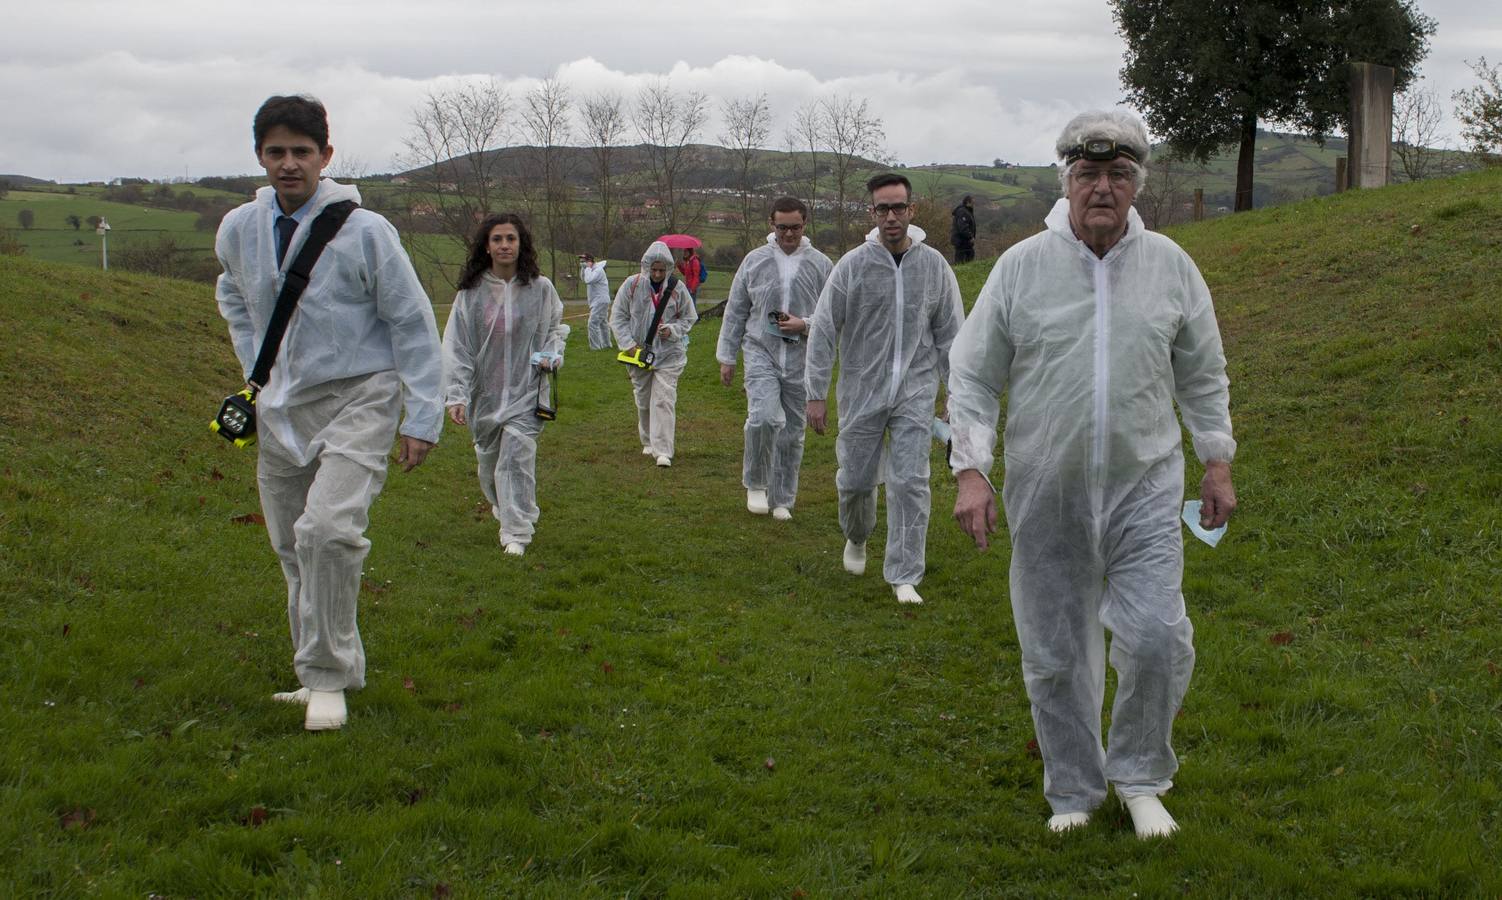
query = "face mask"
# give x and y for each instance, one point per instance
(1192, 519)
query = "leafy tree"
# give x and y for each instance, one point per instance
(93, 222)
(75, 221)
(1479, 109)
(1205, 73)
(26, 217)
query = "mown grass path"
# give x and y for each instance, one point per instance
(670, 697)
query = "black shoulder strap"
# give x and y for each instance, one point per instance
(328, 223)
(667, 295)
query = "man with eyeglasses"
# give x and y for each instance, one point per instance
(892, 307)
(766, 319)
(1093, 329)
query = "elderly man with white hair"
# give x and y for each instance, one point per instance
(1094, 328)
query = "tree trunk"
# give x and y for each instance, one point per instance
(1244, 162)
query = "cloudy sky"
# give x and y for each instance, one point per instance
(92, 90)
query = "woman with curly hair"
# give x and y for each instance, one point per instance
(504, 332)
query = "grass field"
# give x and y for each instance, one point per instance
(670, 697)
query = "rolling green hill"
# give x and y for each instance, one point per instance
(670, 697)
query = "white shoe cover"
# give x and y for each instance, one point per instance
(855, 558)
(782, 514)
(906, 593)
(664, 461)
(1149, 817)
(1065, 821)
(646, 451)
(756, 502)
(515, 549)
(299, 696)
(326, 711)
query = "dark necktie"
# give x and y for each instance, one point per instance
(285, 225)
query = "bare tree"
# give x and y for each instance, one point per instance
(546, 123)
(807, 130)
(453, 180)
(1416, 118)
(1167, 192)
(851, 133)
(748, 122)
(604, 121)
(668, 122)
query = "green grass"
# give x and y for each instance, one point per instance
(670, 697)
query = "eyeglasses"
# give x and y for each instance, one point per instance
(1117, 177)
(786, 228)
(882, 209)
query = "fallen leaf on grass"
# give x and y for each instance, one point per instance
(78, 819)
(471, 620)
(249, 519)
(256, 817)
(607, 668)
(410, 797)
(370, 587)
(1281, 639)
(138, 683)
(545, 734)
(409, 685)
(769, 763)
(1492, 668)
(1032, 749)
(453, 707)
(441, 891)
(67, 629)
(216, 475)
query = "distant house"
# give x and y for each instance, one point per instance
(723, 218)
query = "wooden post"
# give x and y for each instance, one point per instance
(1370, 136)
(1340, 174)
(1199, 204)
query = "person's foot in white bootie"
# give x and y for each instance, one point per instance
(515, 549)
(299, 696)
(647, 451)
(906, 593)
(664, 461)
(855, 558)
(1068, 821)
(782, 513)
(756, 502)
(1149, 817)
(326, 711)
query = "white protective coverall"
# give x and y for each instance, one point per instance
(1092, 353)
(893, 326)
(362, 339)
(770, 280)
(656, 389)
(492, 332)
(597, 287)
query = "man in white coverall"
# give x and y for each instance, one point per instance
(1094, 328)
(767, 318)
(597, 290)
(892, 306)
(361, 345)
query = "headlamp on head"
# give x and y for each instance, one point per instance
(1101, 150)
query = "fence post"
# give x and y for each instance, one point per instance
(1199, 204)
(1340, 174)
(1370, 134)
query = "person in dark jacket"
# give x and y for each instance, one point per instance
(962, 230)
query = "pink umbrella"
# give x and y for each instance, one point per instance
(680, 241)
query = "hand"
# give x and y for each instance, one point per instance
(727, 374)
(413, 452)
(791, 324)
(816, 411)
(975, 508)
(456, 414)
(664, 332)
(1217, 496)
